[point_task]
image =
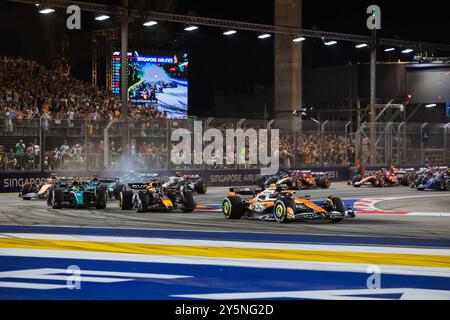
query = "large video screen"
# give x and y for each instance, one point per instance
(156, 81)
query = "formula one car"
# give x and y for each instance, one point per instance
(437, 178)
(113, 186)
(134, 177)
(37, 190)
(422, 176)
(382, 178)
(276, 204)
(152, 196)
(192, 182)
(297, 179)
(405, 176)
(77, 195)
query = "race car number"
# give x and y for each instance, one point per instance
(258, 207)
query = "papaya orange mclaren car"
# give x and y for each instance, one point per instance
(37, 190)
(276, 204)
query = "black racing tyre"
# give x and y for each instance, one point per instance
(447, 185)
(380, 182)
(261, 182)
(57, 199)
(200, 186)
(323, 182)
(188, 201)
(408, 180)
(356, 178)
(49, 196)
(126, 200)
(339, 206)
(101, 198)
(298, 184)
(281, 208)
(117, 190)
(232, 208)
(26, 188)
(142, 204)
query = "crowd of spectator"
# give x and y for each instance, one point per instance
(295, 149)
(29, 91)
(23, 156)
(312, 149)
(33, 96)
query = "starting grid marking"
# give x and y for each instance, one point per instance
(171, 264)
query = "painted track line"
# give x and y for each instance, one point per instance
(231, 262)
(226, 244)
(403, 259)
(221, 235)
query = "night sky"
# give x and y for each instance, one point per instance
(235, 66)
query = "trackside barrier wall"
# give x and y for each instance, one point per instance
(13, 181)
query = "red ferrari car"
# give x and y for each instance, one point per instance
(298, 179)
(383, 178)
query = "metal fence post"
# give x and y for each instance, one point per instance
(41, 144)
(400, 127)
(168, 141)
(347, 133)
(106, 156)
(421, 142)
(322, 129)
(388, 143)
(445, 142)
(88, 151)
(238, 126)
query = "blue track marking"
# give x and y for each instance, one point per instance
(205, 279)
(232, 236)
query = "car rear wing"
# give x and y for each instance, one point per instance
(246, 191)
(314, 173)
(147, 175)
(319, 173)
(109, 180)
(405, 170)
(299, 171)
(138, 186)
(191, 176)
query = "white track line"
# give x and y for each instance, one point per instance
(228, 244)
(232, 262)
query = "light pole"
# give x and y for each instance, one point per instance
(373, 24)
(373, 92)
(124, 79)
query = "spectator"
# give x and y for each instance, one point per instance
(20, 153)
(101, 147)
(37, 153)
(64, 153)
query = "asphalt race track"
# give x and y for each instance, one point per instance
(13, 210)
(398, 247)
